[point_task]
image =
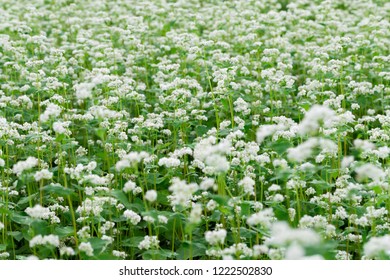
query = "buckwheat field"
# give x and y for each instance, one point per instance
(188, 129)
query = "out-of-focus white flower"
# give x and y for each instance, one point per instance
(196, 213)
(91, 166)
(21, 166)
(282, 235)
(162, 219)
(181, 192)
(216, 237)
(210, 156)
(316, 117)
(211, 205)
(67, 251)
(377, 245)
(297, 252)
(370, 171)
(151, 195)
(129, 159)
(83, 90)
(264, 218)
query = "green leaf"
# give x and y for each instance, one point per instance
(155, 178)
(97, 243)
(22, 220)
(201, 130)
(101, 133)
(280, 146)
(245, 209)
(215, 216)
(222, 200)
(122, 198)
(17, 235)
(158, 255)
(63, 231)
(247, 233)
(188, 249)
(26, 200)
(59, 190)
(132, 242)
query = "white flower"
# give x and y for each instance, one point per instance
(377, 245)
(151, 195)
(305, 150)
(86, 247)
(241, 106)
(248, 185)
(314, 118)
(1, 226)
(149, 242)
(296, 252)
(216, 237)
(291, 213)
(282, 235)
(211, 205)
(95, 179)
(162, 219)
(62, 128)
(83, 90)
(148, 219)
(39, 212)
(370, 171)
(208, 183)
(211, 156)
(67, 251)
(45, 240)
(52, 110)
(91, 166)
(21, 166)
(130, 159)
(274, 188)
(196, 213)
(278, 198)
(83, 233)
(347, 161)
(169, 162)
(133, 217)
(4, 255)
(43, 174)
(267, 130)
(119, 254)
(216, 164)
(129, 186)
(32, 258)
(264, 218)
(181, 192)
